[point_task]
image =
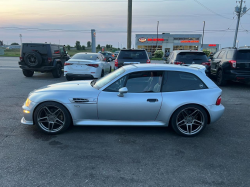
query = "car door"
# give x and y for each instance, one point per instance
(214, 62)
(141, 103)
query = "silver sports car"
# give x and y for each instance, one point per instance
(134, 95)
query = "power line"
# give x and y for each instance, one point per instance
(210, 9)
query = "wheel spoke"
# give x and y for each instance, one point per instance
(57, 112)
(186, 114)
(60, 122)
(181, 122)
(194, 114)
(195, 120)
(47, 111)
(43, 119)
(50, 126)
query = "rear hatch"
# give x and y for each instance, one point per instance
(243, 59)
(188, 58)
(127, 57)
(42, 49)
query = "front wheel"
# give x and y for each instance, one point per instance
(28, 73)
(52, 118)
(69, 78)
(57, 72)
(189, 120)
(102, 75)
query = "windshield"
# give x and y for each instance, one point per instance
(133, 54)
(192, 57)
(84, 56)
(105, 80)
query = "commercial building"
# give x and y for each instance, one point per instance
(169, 42)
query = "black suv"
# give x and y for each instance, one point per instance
(42, 58)
(131, 56)
(231, 64)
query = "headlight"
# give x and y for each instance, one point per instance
(27, 103)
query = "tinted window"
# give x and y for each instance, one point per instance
(82, 56)
(54, 49)
(116, 85)
(221, 55)
(192, 57)
(180, 81)
(230, 54)
(216, 54)
(134, 54)
(144, 81)
(243, 55)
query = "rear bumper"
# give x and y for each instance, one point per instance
(243, 76)
(80, 75)
(216, 112)
(43, 68)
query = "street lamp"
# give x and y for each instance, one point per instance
(21, 38)
(203, 34)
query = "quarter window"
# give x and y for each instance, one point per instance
(216, 54)
(221, 55)
(175, 81)
(230, 54)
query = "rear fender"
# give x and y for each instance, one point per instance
(57, 61)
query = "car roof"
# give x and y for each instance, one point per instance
(41, 44)
(132, 49)
(88, 53)
(179, 51)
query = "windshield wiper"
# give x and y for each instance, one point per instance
(127, 58)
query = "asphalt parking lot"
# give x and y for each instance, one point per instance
(120, 156)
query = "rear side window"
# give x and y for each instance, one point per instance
(174, 81)
(55, 49)
(85, 56)
(221, 55)
(217, 54)
(230, 54)
(192, 57)
(133, 54)
(243, 55)
(41, 48)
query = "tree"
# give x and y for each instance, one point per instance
(14, 43)
(111, 46)
(88, 44)
(83, 47)
(158, 54)
(78, 45)
(68, 47)
(98, 46)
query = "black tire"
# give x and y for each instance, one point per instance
(69, 78)
(220, 79)
(28, 73)
(197, 128)
(102, 75)
(33, 59)
(64, 116)
(57, 72)
(110, 70)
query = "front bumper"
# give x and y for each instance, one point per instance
(28, 117)
(216, 112)
(25, 122)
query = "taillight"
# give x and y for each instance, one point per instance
(21, 58)
(148, 61)
(49, 60)
(113, 55)
(93, 65)
(178, 63)
(104, 59)
(116, 63)
(218, 102)
(233, 63)
(206, 63)
(67, 64)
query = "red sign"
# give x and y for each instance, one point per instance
(142, 40)
(211, 45)
(190, 41)
(155, 39)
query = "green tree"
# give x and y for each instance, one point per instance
(207, 52)
(83, 47)
(14, 43)
(78, 45)
(158, 54)
(68, 47)
(98, 46)
(88, 44)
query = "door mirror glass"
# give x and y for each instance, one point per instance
(122, 91)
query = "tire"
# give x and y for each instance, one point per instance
(110, 70)
(109, 59)
(102, 75)
(69, 78)
(183, 122)
(52, 118)
(57, 72)
(28, 73)
(33, 59)
(220, 79)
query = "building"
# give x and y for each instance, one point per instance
(168, 42)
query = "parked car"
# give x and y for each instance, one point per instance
(134, 95)
(86, 65)
(116, 53)
(131, 56)
(109, 56)
(231, 64)
(42, 58)
(188, 57)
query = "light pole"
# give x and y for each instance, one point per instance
(204, 23)
(129, 29)
(157, 36)
(238, 12)
(21, 38)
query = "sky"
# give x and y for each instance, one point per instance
(66, 21)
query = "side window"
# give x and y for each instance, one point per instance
(175, 81)
(230, 54)
(62, 51)
(116, 85)
(55, 50)
(144, 81)
(221, 54)
(216, 54)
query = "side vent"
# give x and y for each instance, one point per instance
(79, 100)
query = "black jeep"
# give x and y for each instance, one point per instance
(42, 58)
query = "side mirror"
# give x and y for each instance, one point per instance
(122, 91)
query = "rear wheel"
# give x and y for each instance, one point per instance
(102, 75)
(110, 70)
(57, 72)
(28, 73)
(69, 78)
(220, 79)
(189, 120)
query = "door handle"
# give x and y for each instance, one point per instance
(152, 100)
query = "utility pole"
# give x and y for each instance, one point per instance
(21, 38)
(129, 28)
(157, 36)
(203, 34)
(238, 12)
(118, 45)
